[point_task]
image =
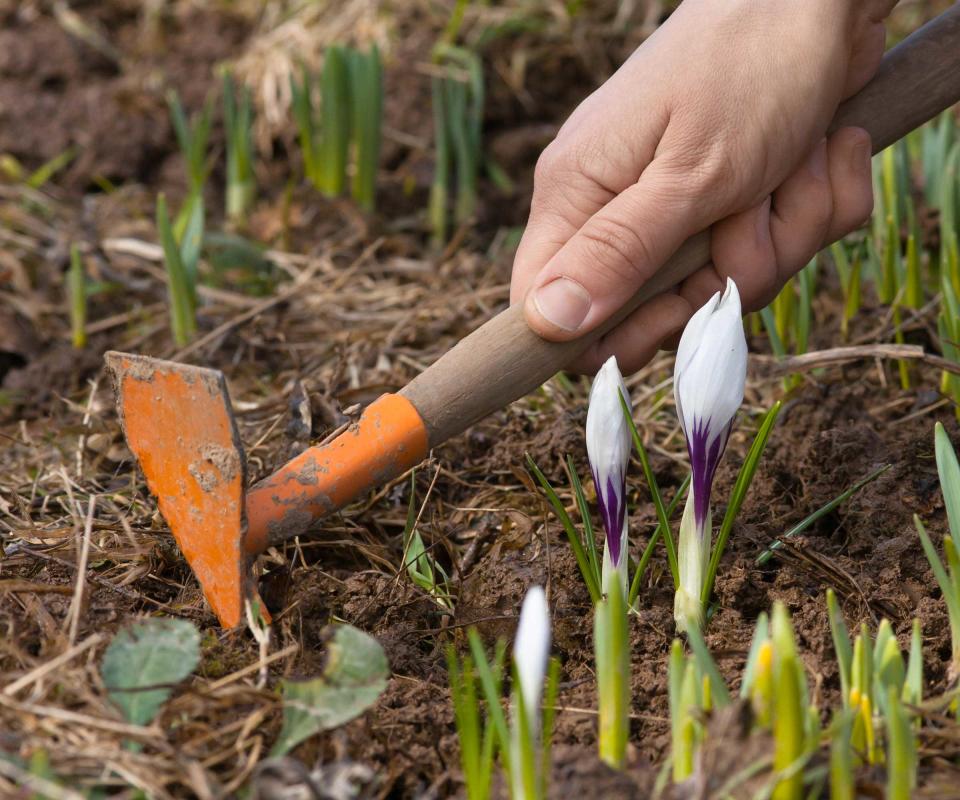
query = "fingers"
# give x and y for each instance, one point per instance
(636, 340)
(849, 152)
(613, 254)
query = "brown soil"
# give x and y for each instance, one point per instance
(376, 308)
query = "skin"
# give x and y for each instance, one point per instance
(717, 121)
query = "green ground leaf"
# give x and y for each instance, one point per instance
(355, 676)
(144, 661)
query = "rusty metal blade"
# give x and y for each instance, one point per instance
(178, 422)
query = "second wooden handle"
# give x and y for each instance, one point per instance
(504, 360)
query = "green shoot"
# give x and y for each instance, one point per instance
(612, 655)
(439, 191)
(77, 298)
(901, 750)
(366, 89)
(180, 259)
(238, 122)
(842, 784)
(331, 164)
(193, 135)
(476, 737)
(948, 578)
(422, 568)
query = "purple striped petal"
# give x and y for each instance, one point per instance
(704, 457)
(613, 510)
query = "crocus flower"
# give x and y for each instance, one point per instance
(708, 381)
(531, 650)
(608, 448)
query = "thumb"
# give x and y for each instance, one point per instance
(615, 252)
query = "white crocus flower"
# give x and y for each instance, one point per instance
(708, 380)
(608, 449)
(531, 654)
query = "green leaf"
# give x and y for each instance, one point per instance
(583, 561)
(841, 645)
(662, 516)
(144, 661)
(354, 677)
(737, 496)
(801, 526)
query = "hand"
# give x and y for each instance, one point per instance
(718, 119)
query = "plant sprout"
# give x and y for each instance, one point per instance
(181, 254)
(193, 135)
(238, 122)
(77, 298)
(709, 379)
(947, 577)
(424, 570)
(366, 106)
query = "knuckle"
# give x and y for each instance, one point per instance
(616, 248)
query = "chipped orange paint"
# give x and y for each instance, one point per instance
(388, 439)
(177, 422)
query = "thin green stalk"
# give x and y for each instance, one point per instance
(238, 121)
(901, 750)
(801, 526)
(737, 496)
(588, 534)
(662, 516)
(182, 321)
(491, 681)
(437, 209)
(77, 296)
(193, 135)
(648, 550)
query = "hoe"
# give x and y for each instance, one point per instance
(178, 421)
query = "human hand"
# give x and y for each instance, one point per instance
(717, 120)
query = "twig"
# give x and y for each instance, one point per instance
(27, 780)
(840, 355)
(74, 613)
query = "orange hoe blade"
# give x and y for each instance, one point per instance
(178, 422)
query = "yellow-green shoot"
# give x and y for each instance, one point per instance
(238, 124)
(848, 270)
(77, 298)
(181, 254)
(947, 576)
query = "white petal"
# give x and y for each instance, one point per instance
(531, 648)
(710, 384)
(693, 335)
(608, 437)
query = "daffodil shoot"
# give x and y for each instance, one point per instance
(708, 383)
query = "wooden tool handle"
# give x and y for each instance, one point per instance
(504, 360)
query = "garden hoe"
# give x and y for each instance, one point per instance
(178, 420)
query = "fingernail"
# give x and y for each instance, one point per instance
(861, 158)
(818, 161)
(563, 303)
